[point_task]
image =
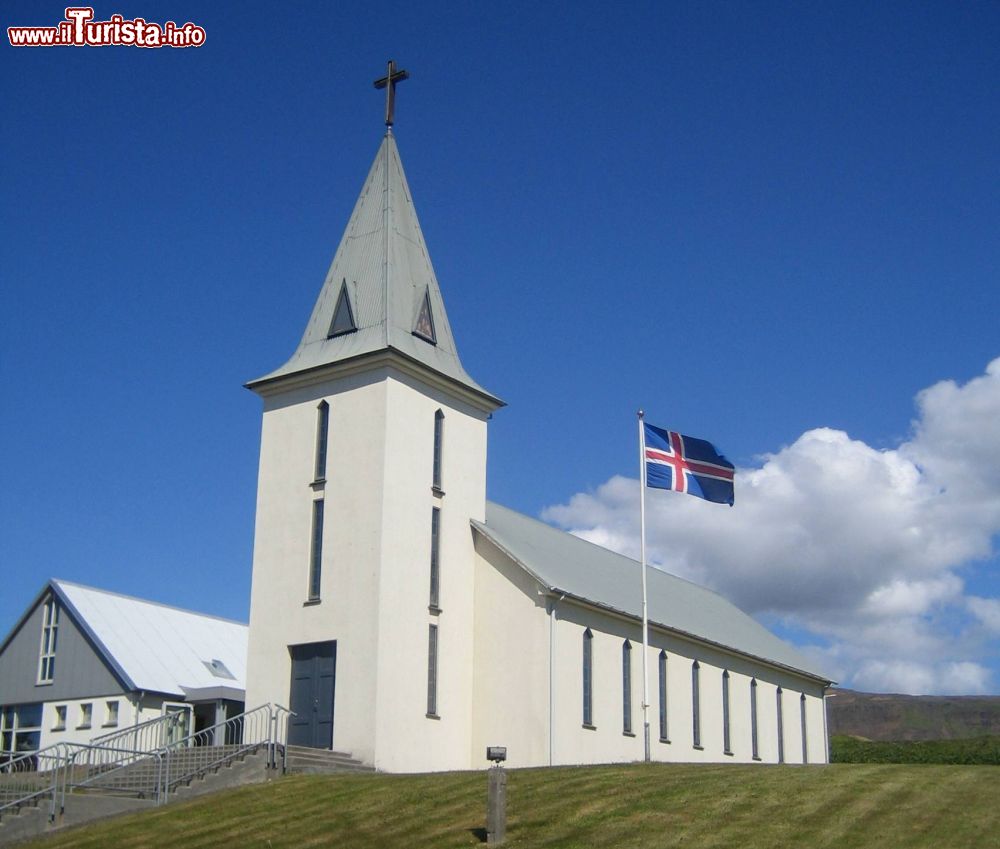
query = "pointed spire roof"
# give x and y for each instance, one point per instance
(381, 294)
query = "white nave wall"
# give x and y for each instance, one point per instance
(515, 634)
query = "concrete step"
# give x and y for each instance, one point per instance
(87, 803)
(251, 769)
(142, 777)
(19, 824)
(303, 760)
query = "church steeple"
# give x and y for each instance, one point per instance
(381, 293)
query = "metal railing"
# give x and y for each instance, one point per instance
(207, 750)
(112, 770)
(279, 736)
(29, 778)
(145, 736)
(137, 760)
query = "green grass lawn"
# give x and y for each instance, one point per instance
(635, 805)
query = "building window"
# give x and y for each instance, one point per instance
(588, 679)
(727, 747)
(696, 704)
(111, 714)
(662, 664)
(343, 315)
(60, 718)
(802, 716)
(316, 558)
(438, 439)
(322, 431)
(626, 687)
(47, 653)
(781, 729)
(432, 660)
(753, 720)
(86, 715)
(20, 729)
(424, 325)
(435, 564)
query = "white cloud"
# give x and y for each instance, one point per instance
(987, 611)
(864, 548)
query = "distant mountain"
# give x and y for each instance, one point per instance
(879, 716)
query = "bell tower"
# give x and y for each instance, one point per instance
(372, 464)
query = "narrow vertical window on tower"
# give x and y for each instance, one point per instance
(696, 704)
(781, 727)
(435, 606)
(727, 747)
(805, 739)
(588, 679)
(432, 671)
(662, 666)
(754, 746)
(438, 439)
(316, 554)
(626, 687)
(322, 431)
(47, 652)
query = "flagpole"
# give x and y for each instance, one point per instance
(642, 556)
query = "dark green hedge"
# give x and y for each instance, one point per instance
(974, 750)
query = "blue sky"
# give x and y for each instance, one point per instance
(771, 225)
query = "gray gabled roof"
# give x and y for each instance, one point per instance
(563, 563)
(384, 264)
(155, 647)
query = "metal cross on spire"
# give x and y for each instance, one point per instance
(388, 82)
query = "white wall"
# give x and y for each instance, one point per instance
(407, 739)
(281, 614)
(376, 562)
(74, 732)
(512, 685)
(511, 704)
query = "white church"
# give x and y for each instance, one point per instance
(407, 620)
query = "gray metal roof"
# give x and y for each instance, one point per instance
(563, 563)
(384, 262)
(154, 647)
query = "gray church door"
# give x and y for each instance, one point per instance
(314, 672)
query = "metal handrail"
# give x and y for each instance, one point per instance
(141, 769)
(145, 736)
(113, 769)
(20, 777)
(280, 739)
(201, 751)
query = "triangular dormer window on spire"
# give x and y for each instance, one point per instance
(424, 328)
(343, 315)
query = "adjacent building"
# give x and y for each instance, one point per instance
(82, 663)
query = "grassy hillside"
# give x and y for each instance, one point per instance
(883, 716)
(974, 750)
(697, 807)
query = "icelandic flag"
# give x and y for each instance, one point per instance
(685, 464)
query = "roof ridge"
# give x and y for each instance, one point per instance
(61, 583)
(611, 551)
(562, 561)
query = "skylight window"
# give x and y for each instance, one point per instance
(218, 669)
